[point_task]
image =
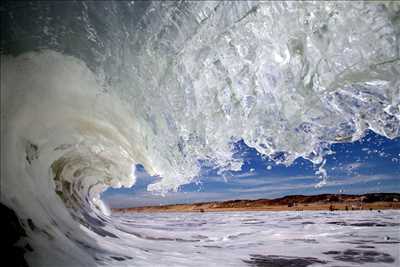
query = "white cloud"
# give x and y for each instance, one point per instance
(272, 187)
(360, 179)
(148, 199)
(352, 167)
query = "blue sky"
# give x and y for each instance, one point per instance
(371, 164)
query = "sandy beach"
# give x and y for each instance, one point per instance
(327, 202)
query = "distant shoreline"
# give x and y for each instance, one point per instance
(328, 202)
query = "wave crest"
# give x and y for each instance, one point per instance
(169, 85)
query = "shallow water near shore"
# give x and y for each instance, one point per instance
(368, 238)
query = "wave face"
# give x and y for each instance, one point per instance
(90, 89)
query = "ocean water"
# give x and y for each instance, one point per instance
(357, 238)
(90, 89)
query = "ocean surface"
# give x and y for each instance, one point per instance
(357, 238)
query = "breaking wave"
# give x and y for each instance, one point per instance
(89, 90)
